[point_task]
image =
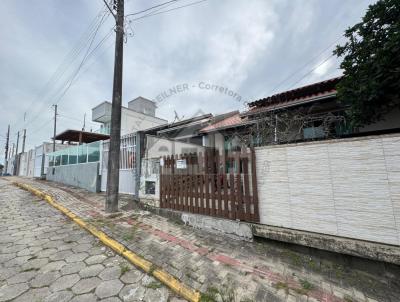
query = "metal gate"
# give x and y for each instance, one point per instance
(127, 170)
(38, 167)
(211, 184)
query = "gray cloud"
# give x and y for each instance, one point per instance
(247, 46)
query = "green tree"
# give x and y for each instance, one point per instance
(371, 64)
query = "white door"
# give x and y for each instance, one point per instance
(127, 171)
(37, 170)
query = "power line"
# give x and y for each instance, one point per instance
(75, 119)
(313, 69)
(67, 84)
(68, 59)
(168, 10)
(308, 63)
(83, 59)
(305, 65)
(150, 8)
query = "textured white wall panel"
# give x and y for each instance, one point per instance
(348, 187)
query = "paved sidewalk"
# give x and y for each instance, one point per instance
(230, 270)
(46, 257)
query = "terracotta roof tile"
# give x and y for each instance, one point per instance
(233, 120)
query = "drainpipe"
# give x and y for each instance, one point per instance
(138, 161)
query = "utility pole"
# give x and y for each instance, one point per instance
(16, 157)
(84, 122)
(17, 143)
(23, 141)
(55, 128)
(115, 132)
(6, 155)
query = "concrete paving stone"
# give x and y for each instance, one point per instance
(35, 249)
(159, 294)
(81, 248)
(132, 292)
(61, 296)
(91, 271)
(34, 295)
(14, 248)
(24, 252)
(72, 268)
(108, 288)
(64, 282)
(6, 273)
(111, 273)
(96, 250)
(16, 261)
(46, 253)
(132, 276)
(53, 244)
(35, 264)
(86, 285)
(95, 259)
(146, 280)
(84, 298)
(111, 299)
(77, 257)
(9, 256)
(111, 261)
(21, 277)
(45, 279)
(53, 266)
(66, 246)
(8, 292)
(60, 255)
(176, 299)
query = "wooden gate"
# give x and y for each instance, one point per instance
(211, 184)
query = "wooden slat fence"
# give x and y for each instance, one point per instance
(211, 184)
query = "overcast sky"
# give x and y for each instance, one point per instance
(245, 46)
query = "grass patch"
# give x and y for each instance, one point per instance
(131, 234)
(210, 295)
(124, 268)
(153, 267)
(154, 285)
(347, 298)
(294, 258)
(225, 293)
(282, 285)
(306, 285)
(30, 270)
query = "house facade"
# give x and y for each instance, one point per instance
(307, 113)
(139, 115)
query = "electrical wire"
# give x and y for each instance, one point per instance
(308, 63)
(67, 84)
(150, 8)
(83, 60)
(313, 69)
(66, 63)
(168, 10)
(303, 66)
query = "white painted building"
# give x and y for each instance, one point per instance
(139, 115)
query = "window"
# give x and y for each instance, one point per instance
(93, 152)
(82, 154)
(58, 160)
(313, 130)
(73, 158)
(150, 187)
(64, 159)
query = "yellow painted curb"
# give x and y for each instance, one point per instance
(164, 277)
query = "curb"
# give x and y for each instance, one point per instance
(150, 268)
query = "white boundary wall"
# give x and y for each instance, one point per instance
(347, 187)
